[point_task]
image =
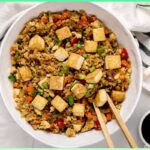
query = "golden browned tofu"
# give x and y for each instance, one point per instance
(37, 43)
(59, 103)
(96, 24)
(79, 90)
(78, 109)
(99, 34)
(75, 61)
(112, 62)
(118, 96)
(61, 54)
(94, 77)
(56, 83)
(101, 98)
(25, 73)
(90, 46)
(39, 102)
(70, 132)
(63, 33)
(77, 127)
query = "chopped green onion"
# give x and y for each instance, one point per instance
(17, 56)
(91, 69)
(40, 91)
(100, 50)
(85, 56)
(91, 86)
(70, 100)
(34, 93)
(82, 76)
(60, 73)
(87, 95)
(45, 85)
(72, 84)
(12, 78)
(55, 116)
(79, 44)
(64, 69)
(56, 40)
(49, 99)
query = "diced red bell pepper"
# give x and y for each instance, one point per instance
(60, 123)
(74, 41)
(97, 125)
(124, 54)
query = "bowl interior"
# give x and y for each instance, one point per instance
(124, 38)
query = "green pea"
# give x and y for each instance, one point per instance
(91, 69)
(49, 99)
(40, 91)
(79, 44)
(17, 56)
(82, 76)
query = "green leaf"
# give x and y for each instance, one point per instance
(70, 100)
(12, 78)
(85, 56)
(91, 69)
(40, 91)
(100, 50)
(45, 85)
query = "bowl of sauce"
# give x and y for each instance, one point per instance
(144, 129)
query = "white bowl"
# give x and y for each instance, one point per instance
(124, 37)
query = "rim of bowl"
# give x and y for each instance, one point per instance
(140, 128)
(139, 64)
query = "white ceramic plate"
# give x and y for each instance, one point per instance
(124, 37)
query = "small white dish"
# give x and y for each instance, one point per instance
(124, 37)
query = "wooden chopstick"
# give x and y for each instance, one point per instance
(103, 126)
(122, 124)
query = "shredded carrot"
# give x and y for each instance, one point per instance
(124, 63)
(47, 116)
(29, 99)
(81, 52)
(16, 85)
(30, 89)
(44, 19)
(108, 116)
(65, 15)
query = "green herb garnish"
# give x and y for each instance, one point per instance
(87, 95)
(17, 56)
(72, 84)
(55, 116)
(79, 45)
(82, 76)
(65, 69)
(49, 99)
(56, 40)
(60, 73)
(12, 78)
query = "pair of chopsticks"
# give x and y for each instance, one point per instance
(120, 121)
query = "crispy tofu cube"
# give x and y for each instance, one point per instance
(25, 73)
(96, 24)
(70, 132)
(63, 33)
(94, 77)
(37, 43)
(43, 81)
(79, 90)
(88, 126)
(56, 83)
(78, 109)
(16, 92)
(59, 103)
(77, 127)
(39, 102)
(101, 98)
(61, 54)
(99, 34)
(44, 125)
(118, 96)
(90, 46)
(112, 62)
(75, 61)
(38, 112)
